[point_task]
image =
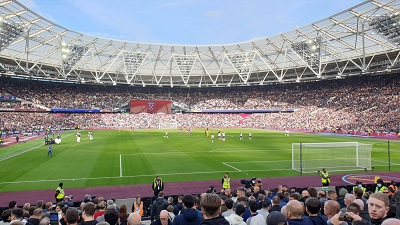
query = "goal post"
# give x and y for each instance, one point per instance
(167, 126)
(334, 156)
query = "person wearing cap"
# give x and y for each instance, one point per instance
(59, 194)
(276, 218)
(325, 178)
(359, 185)
(380, 186)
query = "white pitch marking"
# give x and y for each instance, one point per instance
(231, 166)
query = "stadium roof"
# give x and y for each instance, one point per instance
(364, 39)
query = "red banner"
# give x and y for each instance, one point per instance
(150, 106)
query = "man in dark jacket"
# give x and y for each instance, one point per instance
(189, 215)
(313, 207)
(158, 205)
(157, 185)
(211, 210)
(179, 206)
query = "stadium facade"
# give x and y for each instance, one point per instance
(364, 39)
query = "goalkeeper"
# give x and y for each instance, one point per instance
(325, 178)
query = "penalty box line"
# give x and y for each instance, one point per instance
(226, 164)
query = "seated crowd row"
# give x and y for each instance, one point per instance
(251, 206)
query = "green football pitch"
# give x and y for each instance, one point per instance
(120, 157)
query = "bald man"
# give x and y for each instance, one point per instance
(163, 219)
(134, 219)
(364, 213)
(391, 221)
(295, 210)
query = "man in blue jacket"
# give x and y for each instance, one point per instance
(188, 215)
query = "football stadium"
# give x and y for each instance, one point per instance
(311, 110)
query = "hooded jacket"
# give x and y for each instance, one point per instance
(188, 217)
(234, 219)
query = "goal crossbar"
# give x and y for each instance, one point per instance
(337, 156)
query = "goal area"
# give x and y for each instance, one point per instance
(167, 126)
(334, 156)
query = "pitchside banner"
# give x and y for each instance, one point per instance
(150, 106)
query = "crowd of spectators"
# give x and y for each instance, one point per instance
(253, 205)
(355, 104)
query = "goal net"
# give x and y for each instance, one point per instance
(167, 126)
(334, 156)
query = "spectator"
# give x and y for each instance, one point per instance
(163, 219)
(255, 218)
(158, 205)
(134, 219)
(6, 217)
(264, 211)
(236, 218)
(295, 210)
(179, 206)
(276, 218)
(229, 206)
(101, 209)
(363, 213)
(37, 216)
(211, 208)
(88, 211)
(171, 214)
(111, 215)
(123, 215)
(189, 215)
(72, 216)
(276, 201)
(313, 207)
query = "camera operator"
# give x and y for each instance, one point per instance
(68, 200)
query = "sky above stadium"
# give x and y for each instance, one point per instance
(196, 22)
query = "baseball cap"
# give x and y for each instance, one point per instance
(276, 218)
(266, 202)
